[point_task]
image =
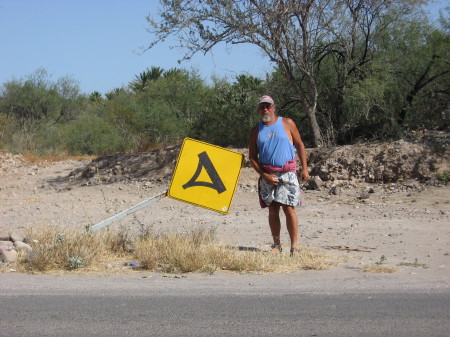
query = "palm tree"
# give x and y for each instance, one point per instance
(145, 78)
(95, 97)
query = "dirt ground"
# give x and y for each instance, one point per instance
(399, 224)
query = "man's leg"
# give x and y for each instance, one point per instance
(291, 224)
(274, 222)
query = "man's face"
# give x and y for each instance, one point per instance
(266, 112)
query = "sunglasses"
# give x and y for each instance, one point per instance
(264, 106)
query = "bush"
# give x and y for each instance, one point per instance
(55, 248)
(91, 135)
(444, 177)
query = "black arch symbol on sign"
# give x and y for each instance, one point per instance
(205, 162)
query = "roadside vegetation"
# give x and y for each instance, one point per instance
(60, 250)
(379, 267)
(359, 80)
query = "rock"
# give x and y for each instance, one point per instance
(387, 162)
(315, 183)
(17, 237)
(8, 256)
(20, 245)
(335, 190)
(363, 195)
(5, 236)
(6, 246)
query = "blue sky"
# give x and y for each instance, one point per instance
(98, 43)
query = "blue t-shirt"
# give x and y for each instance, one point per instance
(274, 146)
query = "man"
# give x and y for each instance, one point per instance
(272, 145)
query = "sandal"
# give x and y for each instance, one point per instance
(294, 251)
(276, 249)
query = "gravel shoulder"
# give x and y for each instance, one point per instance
(404, 225)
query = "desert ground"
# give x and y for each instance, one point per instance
(405, 226)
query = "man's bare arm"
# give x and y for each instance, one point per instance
(298, 143)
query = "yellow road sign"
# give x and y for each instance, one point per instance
(206, 175)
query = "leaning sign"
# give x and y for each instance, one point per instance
(206, 175)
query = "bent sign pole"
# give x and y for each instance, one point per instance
(120, 215)
(206, 175)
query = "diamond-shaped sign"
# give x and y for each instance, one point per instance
(206, 175)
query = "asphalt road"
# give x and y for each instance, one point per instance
(221, 305)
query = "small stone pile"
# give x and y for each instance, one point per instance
(382, 162)
(10, 245)
(11, 162)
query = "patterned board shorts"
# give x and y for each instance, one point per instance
(287, 192)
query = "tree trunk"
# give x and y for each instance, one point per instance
(317, 135)
(309, 100)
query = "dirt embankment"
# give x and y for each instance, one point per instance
(421, 157)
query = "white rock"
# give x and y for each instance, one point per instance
(8, 255)
(4, 236)
(6, 245)
(17, 237)
(19, 245)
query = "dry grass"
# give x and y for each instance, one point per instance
(197, 251)
(56, 249)
(47, 159)
(175, 252)
(378, 269)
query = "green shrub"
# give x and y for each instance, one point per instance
(92, 135)
(444, 177)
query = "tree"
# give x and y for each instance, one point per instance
(37, 99)
(161, 113)
(294, 34)
(145, 78)
(352, 65)
(279, 28)
(422, 64)
(95, 97)
(230, 113)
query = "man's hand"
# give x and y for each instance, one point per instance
(272, 179)
(304, 175)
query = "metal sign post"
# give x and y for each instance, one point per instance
(206, 175)
(120, 215)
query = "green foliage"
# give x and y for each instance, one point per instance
(402, 85)
(382, 260)
(232, 113)
(91, 135)
(38, 98)
(444, 177)
(163, 111)
(145, 78)
(96, 97)
(34, 107)
(417, 54)
(414, 264)
(75, 262)
(6, 130)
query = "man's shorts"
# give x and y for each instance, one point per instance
(287, 192)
